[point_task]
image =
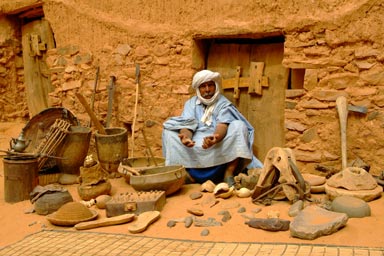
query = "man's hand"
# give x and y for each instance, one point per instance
(186, 140)
(209, 141)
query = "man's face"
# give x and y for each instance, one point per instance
(207, 89)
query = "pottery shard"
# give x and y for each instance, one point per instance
(271, 224)
(353, 178)
(195, 211)
(195, 195)
(209, 201)
(314, 221)
(207, 186)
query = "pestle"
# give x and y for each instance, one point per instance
(91, 114)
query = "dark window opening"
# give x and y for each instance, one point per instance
(296, 78)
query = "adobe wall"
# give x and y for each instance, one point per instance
(339, 43)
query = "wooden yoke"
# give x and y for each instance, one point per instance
(255, 82)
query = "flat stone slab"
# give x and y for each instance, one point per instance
(314, 221)
(353, 178)
(269, 224)
(314, 180)
(366, 195)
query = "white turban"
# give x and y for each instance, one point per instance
(200, 78)
(206, 76)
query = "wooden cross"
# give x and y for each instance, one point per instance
(254, 82)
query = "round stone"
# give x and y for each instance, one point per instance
(102, 200)
(352, 206)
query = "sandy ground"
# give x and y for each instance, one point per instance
(15, 223)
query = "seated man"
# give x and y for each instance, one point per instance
(211, 138)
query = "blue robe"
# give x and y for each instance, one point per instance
(209, 164)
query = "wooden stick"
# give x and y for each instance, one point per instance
(342, 109)
(93, 93)
(135, 111)
(91, 114)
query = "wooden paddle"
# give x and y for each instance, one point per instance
(116, 220)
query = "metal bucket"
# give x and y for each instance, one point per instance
(74, 150)
(20, 178)
(112, 148)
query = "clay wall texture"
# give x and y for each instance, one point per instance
(339, 44)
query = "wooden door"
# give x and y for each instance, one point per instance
(266, 111)
(37, 38)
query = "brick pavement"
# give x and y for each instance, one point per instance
(65, 243)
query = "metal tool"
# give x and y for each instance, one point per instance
(111, 92)
(342, 109)
(149, 148)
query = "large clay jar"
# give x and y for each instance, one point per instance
(74, 150)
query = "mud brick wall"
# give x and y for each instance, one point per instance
(13, 106)
(74, 71)
(339, 59)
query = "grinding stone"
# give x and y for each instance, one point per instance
(366, 195)
(354, 207)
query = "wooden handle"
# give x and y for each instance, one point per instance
(135, 111)
(91, 114)
(342, 109)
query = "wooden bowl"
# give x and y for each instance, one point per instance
(166, 178)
